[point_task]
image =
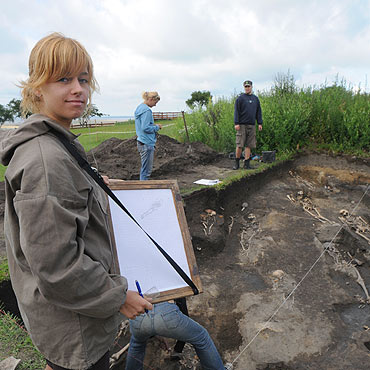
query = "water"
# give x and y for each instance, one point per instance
(94, 119)
(111, 118)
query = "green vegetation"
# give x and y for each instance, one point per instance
(199, 99)
(4, 270)
(13, 110)
(16, 342)
(2, 172)
(328, 117)
(92, 137)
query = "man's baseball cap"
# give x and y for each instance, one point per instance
(248, 82)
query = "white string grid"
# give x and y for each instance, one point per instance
(299, 283)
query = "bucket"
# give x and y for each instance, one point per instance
(268, 156)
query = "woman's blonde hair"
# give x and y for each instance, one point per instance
(150, 95)
(52, 58)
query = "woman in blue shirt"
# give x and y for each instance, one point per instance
(146, 132)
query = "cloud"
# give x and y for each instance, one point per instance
(176, 47)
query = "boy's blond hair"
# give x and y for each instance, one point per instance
(52, 58)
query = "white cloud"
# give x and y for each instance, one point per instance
(176, 47)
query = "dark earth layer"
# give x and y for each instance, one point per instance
(265, 243)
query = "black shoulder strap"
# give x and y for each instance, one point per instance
(96, 176)
(181, 303)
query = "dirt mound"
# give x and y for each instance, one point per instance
(120, 159)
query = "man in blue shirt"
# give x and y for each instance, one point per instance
(247, 112)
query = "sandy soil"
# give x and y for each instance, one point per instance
(273, 299)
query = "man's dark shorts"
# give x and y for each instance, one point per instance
(246, 136)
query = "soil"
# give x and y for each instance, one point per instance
(119, 159)
(280, 260)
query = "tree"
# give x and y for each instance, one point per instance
(14, 107)
(199, 98)
(5, 115)
(11, 110)
(90, 111)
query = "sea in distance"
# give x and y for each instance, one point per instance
(17, 121)
(111, 118)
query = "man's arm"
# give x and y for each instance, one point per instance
(236, 114)
(259, 113)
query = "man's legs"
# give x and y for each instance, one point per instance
(238, 154)
(247, 153)
(247, 159)
(240, 143)
(250, 143)
(147, 158)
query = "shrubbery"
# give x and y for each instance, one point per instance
(332, 117)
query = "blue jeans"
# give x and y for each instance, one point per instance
(168, 321)
(147, 157)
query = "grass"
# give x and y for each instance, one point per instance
(16, 342)
(92, 137)
(333, 117)
(4, 269)
(2, 172)
(329, 118)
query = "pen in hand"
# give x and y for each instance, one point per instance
(139, 291)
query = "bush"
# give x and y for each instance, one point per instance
(329, 116)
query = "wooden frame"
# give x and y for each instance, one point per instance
(136, 256)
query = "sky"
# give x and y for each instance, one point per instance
(176, 47)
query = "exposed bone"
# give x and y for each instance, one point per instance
(244, 206)
(232, 223)
(361, 282)
(278, 274)
(211, 212)
(116, 356)
(358, 224)
(242, 240)
(318, 218)
(365, 237)
(344, 212)
(320, 215)
(362, 220)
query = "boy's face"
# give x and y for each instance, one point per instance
(65, 99)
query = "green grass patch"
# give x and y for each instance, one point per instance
(16, 342)
(332, 117)
(4, 269)
(2, 172)
(94, 136)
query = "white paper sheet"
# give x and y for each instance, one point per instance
(139, 258)
(207, 182)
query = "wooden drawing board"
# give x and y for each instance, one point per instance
(157, 206)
